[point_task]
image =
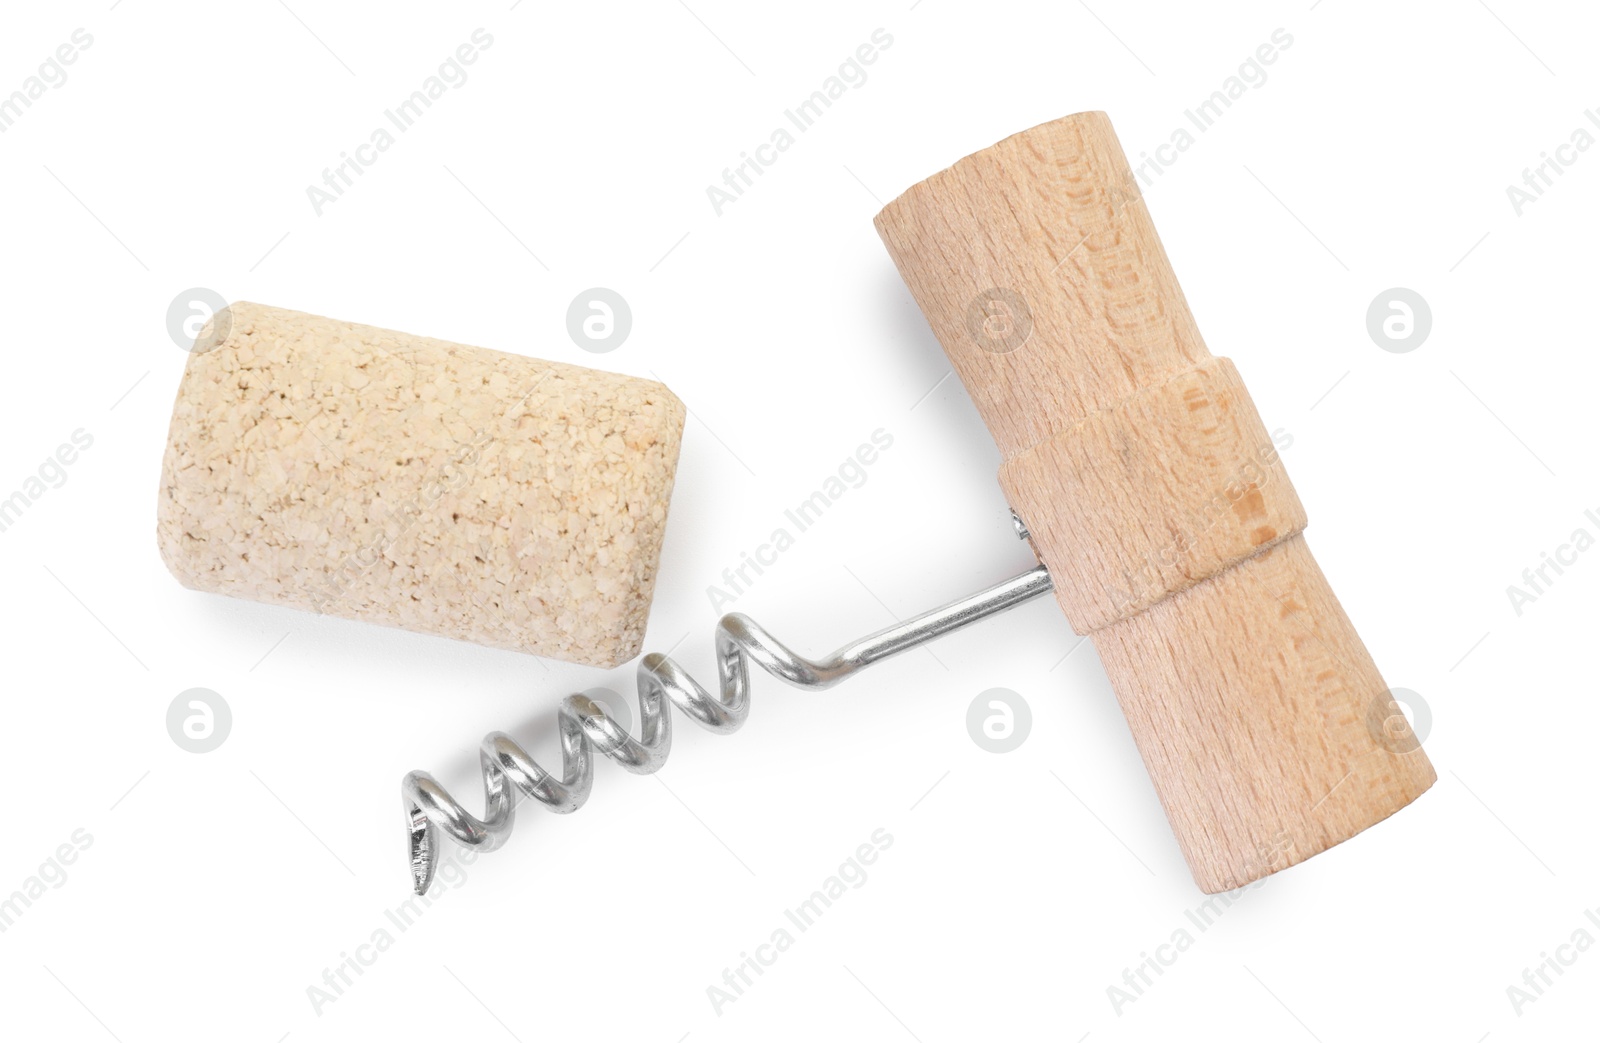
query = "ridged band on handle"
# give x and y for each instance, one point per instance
(1146, 499)
(1263, 721)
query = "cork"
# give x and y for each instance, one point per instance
(401, 480)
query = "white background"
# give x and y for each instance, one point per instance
(218, 887)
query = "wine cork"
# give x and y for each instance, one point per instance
(395, 479)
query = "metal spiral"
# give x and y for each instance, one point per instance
(585, 727)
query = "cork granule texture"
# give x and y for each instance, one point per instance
(419, 484)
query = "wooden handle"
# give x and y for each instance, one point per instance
(1155, 496)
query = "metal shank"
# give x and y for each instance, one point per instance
(586, 728)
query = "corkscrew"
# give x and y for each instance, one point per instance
(522, 504)
(1154, 496)
(585, 728)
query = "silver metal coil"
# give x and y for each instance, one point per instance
(585, 728)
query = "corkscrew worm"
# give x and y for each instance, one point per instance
(586, 728)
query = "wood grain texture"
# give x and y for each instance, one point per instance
(1156, 499)
(1145, 499)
